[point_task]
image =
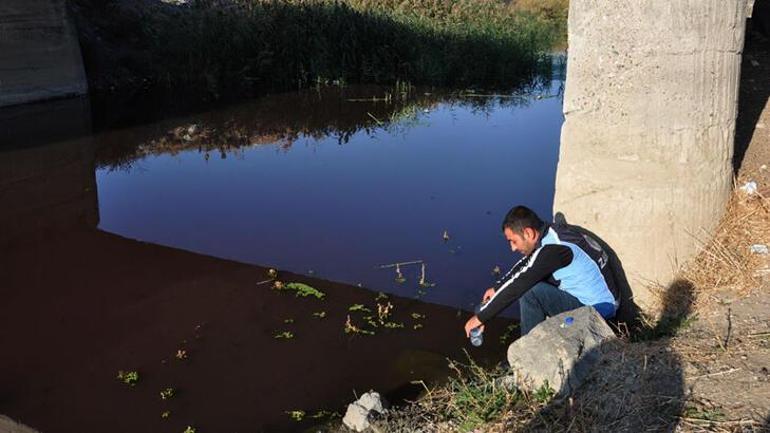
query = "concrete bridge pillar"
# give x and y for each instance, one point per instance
(650, 106)
(39, 52)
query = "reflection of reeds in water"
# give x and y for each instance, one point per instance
(326, 112)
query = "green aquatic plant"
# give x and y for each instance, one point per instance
(359, 307)
(417, 316)
(285, 335)
(350, 328)
(393, 325)
(381, 297)
(296, 415)
(167, 393)
(130, 378)
(303, 290)
(165, 414)
(417, 326)
(319, 314)
(288, 321)
(324, 414)
(189, 429)
(384, 311)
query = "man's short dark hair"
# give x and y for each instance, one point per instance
(521, 217)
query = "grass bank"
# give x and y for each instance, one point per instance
(211, 48)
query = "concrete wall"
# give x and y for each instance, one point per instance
(650, 107)
(39, 52)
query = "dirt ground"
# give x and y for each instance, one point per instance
(725, 353)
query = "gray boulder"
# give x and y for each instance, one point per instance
(559, 352)
(357, 415)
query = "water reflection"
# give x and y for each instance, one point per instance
(79, 304)
(334, 182)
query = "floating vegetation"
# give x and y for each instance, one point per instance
(324, 414)
(370, 320)
(288, 321)
(350, 328)
(393, 325)
(167, 393)
(359, 307)
(165, 414)
(189, 429)
(296, 415)
(181, 354)
(384, 312)
(417, 326)
(303, 290)
(381, 296)
(421, 293)
(508, 333)
(285, 335)
(423, 281)
(400, 279)
(319, 314)
(130, 378)
(417, 316)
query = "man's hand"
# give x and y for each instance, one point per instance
(473, 322)
(488, 295)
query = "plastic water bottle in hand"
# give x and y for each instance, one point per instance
(477, 336)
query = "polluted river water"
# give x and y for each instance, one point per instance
(145, 248)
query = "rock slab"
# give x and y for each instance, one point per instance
(357, 415)
(559, 352)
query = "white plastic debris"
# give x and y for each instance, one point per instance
(759, 249)
(749, 188)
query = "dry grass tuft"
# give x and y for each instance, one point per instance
(726, 261)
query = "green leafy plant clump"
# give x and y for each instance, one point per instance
(130, 378)
(303, 290)
(167, 393)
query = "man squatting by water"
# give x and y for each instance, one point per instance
(562, 269)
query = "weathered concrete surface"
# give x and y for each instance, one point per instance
(559, 353)
(650, 106)
(39, 52)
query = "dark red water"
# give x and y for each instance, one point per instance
(120, 248)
